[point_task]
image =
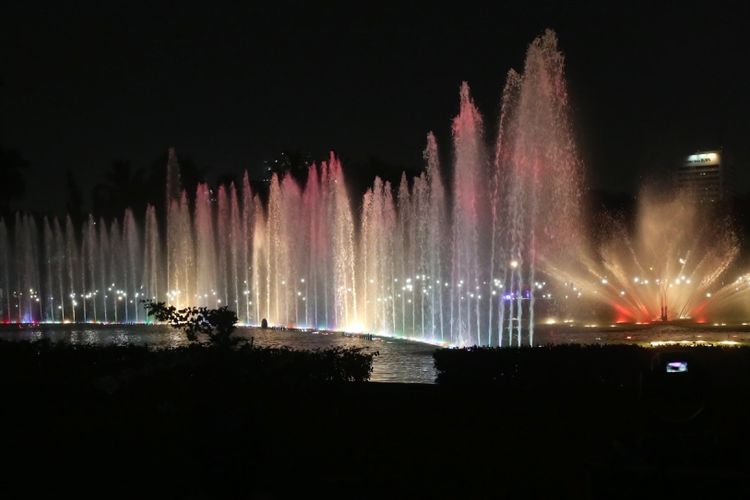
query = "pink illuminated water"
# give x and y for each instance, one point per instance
(460, 264)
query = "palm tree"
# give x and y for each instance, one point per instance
(122, 187)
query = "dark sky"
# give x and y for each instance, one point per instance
(229, 87)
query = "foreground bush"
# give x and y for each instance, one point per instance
(112, 368)
(198, 323)
(607, 366)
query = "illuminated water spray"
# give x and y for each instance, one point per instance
(451, 264)
(671, 266)
(460, 263)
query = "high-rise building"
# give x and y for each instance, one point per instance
(702, 174)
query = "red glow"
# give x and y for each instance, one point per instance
(699, 312)
(623, 314)
(700, 308)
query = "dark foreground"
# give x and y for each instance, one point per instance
(207, 435)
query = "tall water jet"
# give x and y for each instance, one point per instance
(260, 265)
(114, 264)
(538, 174)
(152, 258)
(5, 278)
(437, 221)
(248, 220)
(205, 248)
(133, 288)
(105, 284)
(276, 252)
(342, 241)
(469, 205)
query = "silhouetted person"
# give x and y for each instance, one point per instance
(264, 323)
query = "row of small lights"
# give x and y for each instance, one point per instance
(122, 295)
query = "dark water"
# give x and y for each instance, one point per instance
(398, 360)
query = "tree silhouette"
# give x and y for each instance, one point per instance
(215, 325)
(156, 178)
(125, 186)
(361, 172)
(12, 182)
(75, 199)
(122, 187)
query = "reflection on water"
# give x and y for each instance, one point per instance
(643, 334)
(398, 360)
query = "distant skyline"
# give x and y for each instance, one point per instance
(232, 88)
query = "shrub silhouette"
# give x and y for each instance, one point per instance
(215, 324)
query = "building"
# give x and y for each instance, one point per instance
(702, 173)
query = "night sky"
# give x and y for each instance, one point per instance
(229, 88)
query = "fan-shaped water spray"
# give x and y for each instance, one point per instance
(672, 265)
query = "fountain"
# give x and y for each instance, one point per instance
(671, 266)
(463, 264)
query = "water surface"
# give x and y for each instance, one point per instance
(398, 360)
